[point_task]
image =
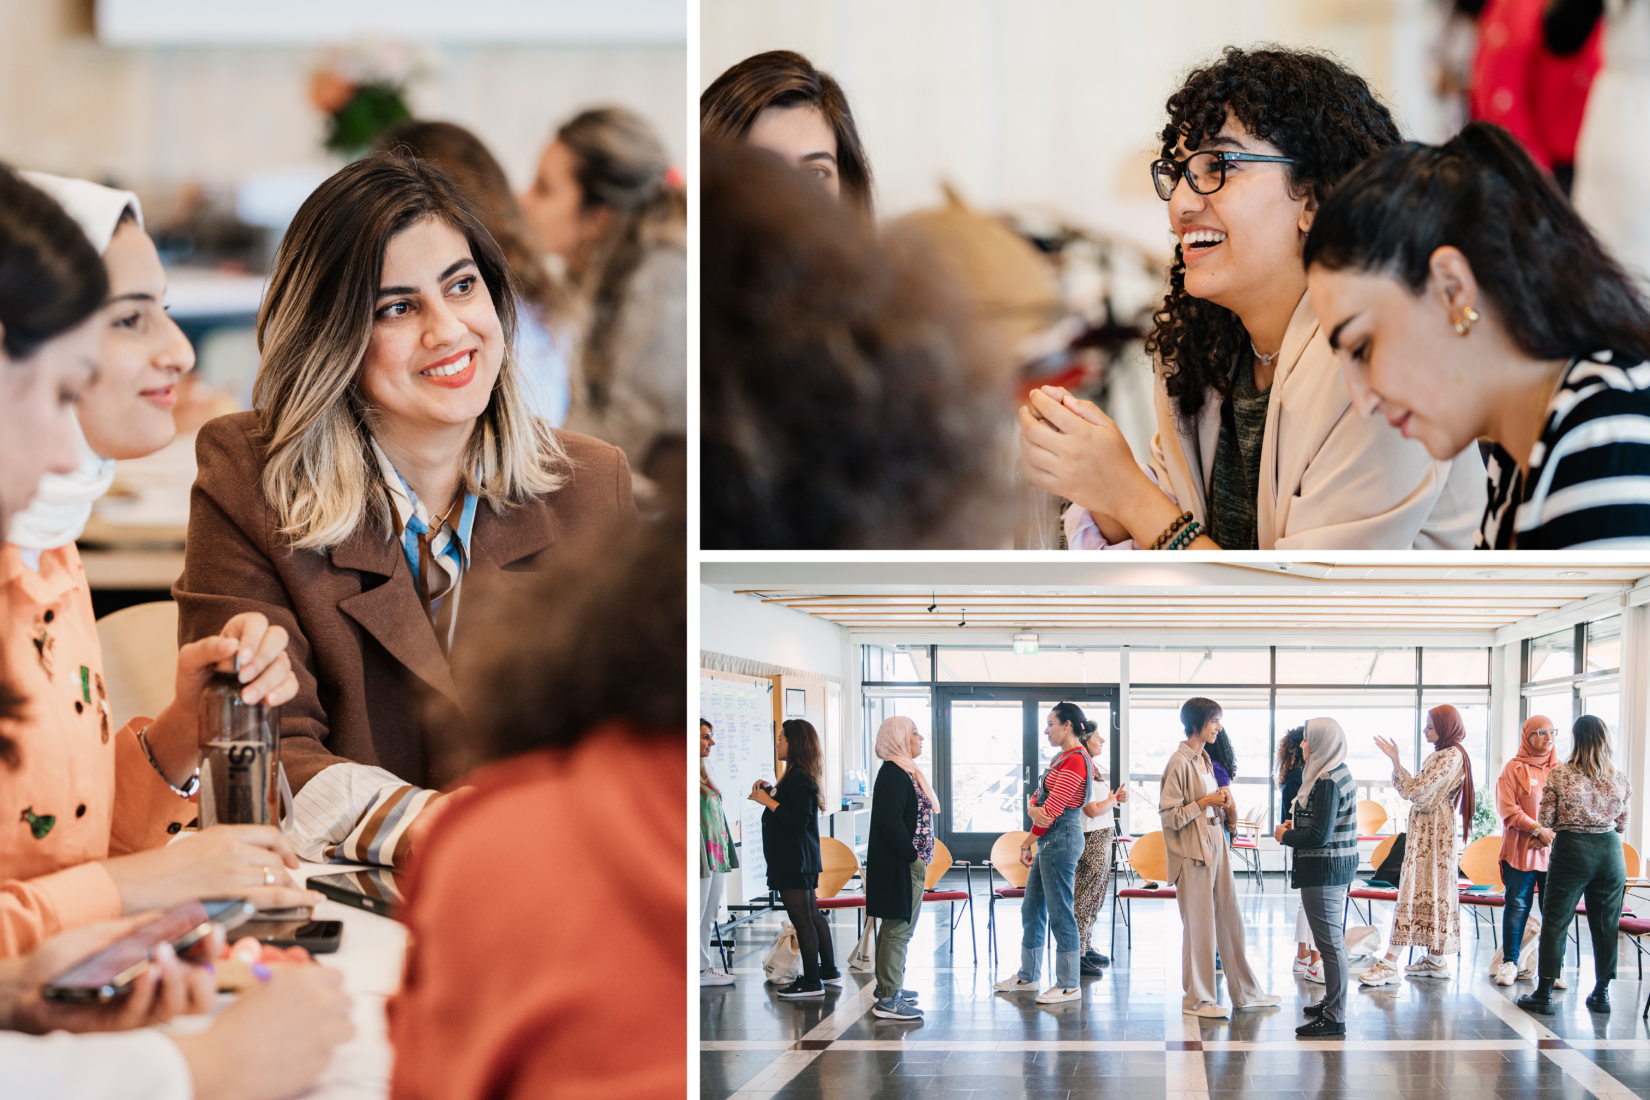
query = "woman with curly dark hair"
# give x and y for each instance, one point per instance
(1255, 448)
(778, 101)
(1468, 300)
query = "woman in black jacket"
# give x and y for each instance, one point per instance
(896, 859)
(1323, 830)
(790, 844)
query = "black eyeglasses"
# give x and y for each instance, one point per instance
(1205, 172)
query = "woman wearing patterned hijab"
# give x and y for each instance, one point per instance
(1428, 913)
(897, 858)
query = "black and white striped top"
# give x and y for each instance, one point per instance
(1589, 478)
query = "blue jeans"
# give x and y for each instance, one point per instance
(1049, 901)
(1521, 887)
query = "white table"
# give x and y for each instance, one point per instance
(369, 955)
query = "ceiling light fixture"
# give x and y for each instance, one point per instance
(935, 598)
(1572, 574)
(964, 618)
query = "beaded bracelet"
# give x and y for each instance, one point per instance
(1187, 536)
(1183, 519)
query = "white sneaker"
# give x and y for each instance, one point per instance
(1207, 1009)
(1382, 973)
(713, 976)
(1560, 983)
(1054, 994)
(1429, 967)
(1015, 985)
(1314, 973)
(1506, 974)
(1302, 965)
(1265, 1000)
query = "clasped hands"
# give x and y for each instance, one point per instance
(1069, 448)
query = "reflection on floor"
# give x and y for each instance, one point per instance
(1460, 1038)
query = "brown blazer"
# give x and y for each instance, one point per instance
(371, 676)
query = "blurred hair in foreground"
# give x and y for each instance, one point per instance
(846, 399)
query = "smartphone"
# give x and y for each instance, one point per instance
(375, 890)
(110, 972)
(318, 937)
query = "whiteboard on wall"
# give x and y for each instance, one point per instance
(740, 712)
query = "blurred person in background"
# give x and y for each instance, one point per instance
(390, 459)
(272, 1042)
(717, 856)
(1254, 448)
(540, 299)
(1521, 83)
(82, 791)
(1469, 302)
(580, 699)
(778, 101)
(1611, 166)
(844, 403)
(605, 200)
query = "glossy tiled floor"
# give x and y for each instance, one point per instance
(1460, 1038)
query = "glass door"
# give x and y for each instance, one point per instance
(990, 753)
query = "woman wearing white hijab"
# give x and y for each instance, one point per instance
(897, 855)
(85, 789)
(1323, 830)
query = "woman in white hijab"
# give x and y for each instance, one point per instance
(100, 802)
(1323, 830)
(897, 855)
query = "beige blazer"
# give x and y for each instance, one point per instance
(1187, 828)
(1329, 479)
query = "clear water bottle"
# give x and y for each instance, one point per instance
(241, 758)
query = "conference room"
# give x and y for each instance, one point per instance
(1004, 670)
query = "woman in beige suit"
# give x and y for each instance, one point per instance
(1200, 872)
(1257, 445)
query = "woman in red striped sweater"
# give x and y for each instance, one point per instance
(1058, 830)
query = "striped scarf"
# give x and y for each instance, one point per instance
(439, 558)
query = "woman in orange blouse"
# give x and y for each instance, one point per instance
(1525, 845)
(512, 911)
(82, 791)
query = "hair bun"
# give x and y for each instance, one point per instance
(1090, 726)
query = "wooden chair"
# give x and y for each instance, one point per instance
(1631, 855)
(942, 863)
(1371, 819)
(140, 659)
(1246, 844)
(1005, 861)
(1149, 856)
(840, 866)
(1481, 865)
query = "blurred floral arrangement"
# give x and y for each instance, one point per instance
(362, 90)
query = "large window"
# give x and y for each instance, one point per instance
(1572, 672)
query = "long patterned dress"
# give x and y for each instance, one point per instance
(1429, 906)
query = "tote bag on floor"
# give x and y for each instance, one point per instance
(783, 962)
(865, 954)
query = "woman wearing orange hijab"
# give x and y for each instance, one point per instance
(1525, 845)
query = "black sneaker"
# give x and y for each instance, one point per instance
(1096, 958)
(1089, 968)
(1321, 1029)
(800, 989)
(1534, 1002)
(833, 977)
(1314, 1011)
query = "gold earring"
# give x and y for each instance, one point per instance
(1465, 320)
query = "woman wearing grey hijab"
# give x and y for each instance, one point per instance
(1323, 830)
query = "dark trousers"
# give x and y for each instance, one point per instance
(1521, 889)
(1587, 865)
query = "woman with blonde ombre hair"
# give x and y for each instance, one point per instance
(388, 461)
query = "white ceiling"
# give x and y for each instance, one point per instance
(1091, 596)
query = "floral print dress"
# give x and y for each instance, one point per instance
(1429, 904)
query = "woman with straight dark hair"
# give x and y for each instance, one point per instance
(389, 460)
(1585, 803)
(1254, 448)
(1057, 833)
(779, 101)
(790, 844)
(1467, 300)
